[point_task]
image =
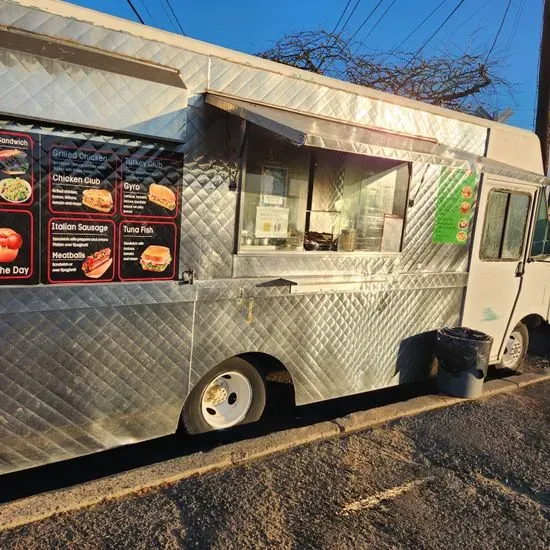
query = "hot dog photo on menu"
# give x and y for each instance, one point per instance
(96, 264)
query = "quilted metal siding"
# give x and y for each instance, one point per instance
(209, 205)
(332, 344)
(76, 381)
(300, 95)
(38, 87)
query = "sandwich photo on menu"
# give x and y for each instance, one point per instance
(155, 258)
(13, 161)
(98, 199)
(162, 195)
(96, 264)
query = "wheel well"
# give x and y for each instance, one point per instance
(280, 384)
(266, 364)
(533, 321)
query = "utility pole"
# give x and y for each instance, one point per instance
(543, 107)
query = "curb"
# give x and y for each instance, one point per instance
(34, 508)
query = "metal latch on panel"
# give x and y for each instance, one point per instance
(276, 282)
(188, 277)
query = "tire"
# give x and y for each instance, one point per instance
(231, 394)
(515, 349)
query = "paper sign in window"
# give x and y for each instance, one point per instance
(272, 222)
(391, 235)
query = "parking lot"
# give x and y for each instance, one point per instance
(473, 474)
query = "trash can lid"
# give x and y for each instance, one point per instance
(464, 333)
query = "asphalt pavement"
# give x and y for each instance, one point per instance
(473, 475)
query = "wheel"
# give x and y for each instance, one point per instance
(516, 348)
(230, 394)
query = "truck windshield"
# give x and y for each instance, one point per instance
(541, 238)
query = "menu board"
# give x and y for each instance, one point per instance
(19, 208)
(87, 211)
(454, 207)
(109, 212)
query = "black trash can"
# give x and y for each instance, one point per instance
(463, 358)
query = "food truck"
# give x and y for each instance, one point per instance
(178, 219)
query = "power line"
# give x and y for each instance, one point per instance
(135, 11)
(336, 37)
(341, 17)
(498, 32)
(468, 19)
(432, 36)
(144, 4)
(349, 17)
(374, 26)
(176, 17)
(365, 20)
(419, 25)
(170, 19)
(514, 27)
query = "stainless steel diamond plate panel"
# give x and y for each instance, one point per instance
(208, 206)
(80, 380)
(420, 254)
(332, 344)
(71, 297)
(288, 265)
(192, 66)
(43, 88)
(308, 97)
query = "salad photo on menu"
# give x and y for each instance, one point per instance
(15, 190)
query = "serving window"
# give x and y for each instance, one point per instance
(302, 199)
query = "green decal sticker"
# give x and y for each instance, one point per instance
(489, 315)
(455, 204)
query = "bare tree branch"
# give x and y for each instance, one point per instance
(461, 82)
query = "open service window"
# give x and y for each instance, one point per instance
(297, 199)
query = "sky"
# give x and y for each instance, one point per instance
(251, 26)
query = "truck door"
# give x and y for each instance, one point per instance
(535, 291)
(498, 257)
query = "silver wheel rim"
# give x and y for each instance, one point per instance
(226, 400)
(513, 350)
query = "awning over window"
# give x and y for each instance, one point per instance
(312, 131)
